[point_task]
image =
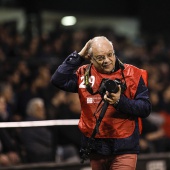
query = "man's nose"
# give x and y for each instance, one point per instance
(106, 58)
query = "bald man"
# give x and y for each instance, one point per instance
(113, 96)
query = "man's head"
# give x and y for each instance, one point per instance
(102, 54)
(36, 108)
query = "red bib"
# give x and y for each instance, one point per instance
(114, 124)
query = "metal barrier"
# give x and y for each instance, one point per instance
(50, 166)
(154, 161)
(39, 123)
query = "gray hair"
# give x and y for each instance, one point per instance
(90, 50)
(31, 106)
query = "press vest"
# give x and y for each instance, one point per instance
(114, 124)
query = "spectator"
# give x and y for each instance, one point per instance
(37, 141)
(7, 92)
(69, 142)
(9, 153)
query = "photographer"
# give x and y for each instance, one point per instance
(113, 96)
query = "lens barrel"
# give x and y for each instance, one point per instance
(111, 86)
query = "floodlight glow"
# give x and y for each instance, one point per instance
(68, 20)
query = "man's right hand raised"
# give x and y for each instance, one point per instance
(85, 51)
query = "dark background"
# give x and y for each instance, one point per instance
(154, 15)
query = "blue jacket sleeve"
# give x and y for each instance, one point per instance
(140, 106)
(65, 77)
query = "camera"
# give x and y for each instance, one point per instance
(85, 154)
(87, 149)
(109, 85)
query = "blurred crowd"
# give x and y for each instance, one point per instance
(26, 94)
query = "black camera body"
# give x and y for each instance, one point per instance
(85, 154)
(86, 150)
(110, 85)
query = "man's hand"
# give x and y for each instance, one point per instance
(85, 51)
(112, 98)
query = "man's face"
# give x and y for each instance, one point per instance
(103, 57)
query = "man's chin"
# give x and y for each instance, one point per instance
(107, 71)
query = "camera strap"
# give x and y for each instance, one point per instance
(98, 121)
(88, 148)
(103, 108)
(124, 86)
(86, 80)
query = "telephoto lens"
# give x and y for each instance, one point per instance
(111, 86)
